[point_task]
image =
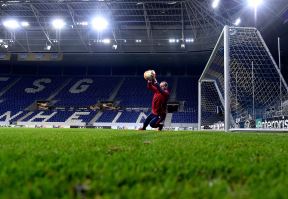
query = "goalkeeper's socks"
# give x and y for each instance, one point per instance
(160, 127)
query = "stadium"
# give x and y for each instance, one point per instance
(75, 106)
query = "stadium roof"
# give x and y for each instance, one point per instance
(133, 25)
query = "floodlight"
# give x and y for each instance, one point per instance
(58, 24)
(11, 24)
(24, 24)
(254, 3)
(106, 41)
(47, 47)
(82, 23)
(172, 40)
(172, 2)
(99, 24)
(189, 40)
(237, 22)
(215, 3)
(1, 40)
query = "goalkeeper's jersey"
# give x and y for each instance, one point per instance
(160, 99)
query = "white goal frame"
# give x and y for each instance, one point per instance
(224, 97)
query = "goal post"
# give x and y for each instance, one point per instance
(241, 86)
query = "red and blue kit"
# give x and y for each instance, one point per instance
(160, 99)
(159, 106)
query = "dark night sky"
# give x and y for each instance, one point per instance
(278, 29)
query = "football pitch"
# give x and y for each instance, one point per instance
(89, 163)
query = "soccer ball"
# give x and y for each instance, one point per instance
(149, 75)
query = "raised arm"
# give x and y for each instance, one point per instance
(151, 87)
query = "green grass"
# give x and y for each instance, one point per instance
(58, 163)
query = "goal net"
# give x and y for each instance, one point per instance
(241, 86)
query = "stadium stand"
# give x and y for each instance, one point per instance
(5, 81)
(72, 95)
(27, 90)
(134, 93)
(184, 117)
(128, 117)
(107, 116)
(86, 91)
(187, 92)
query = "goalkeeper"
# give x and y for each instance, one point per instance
(159, 104)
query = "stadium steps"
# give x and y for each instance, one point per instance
(59, 89)
(173, 89)
(32, 107)
(117, 117)
(9, 86)
(25, 116)
(95, 118)
(168, 119)
(116, 90)
(181, 106)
